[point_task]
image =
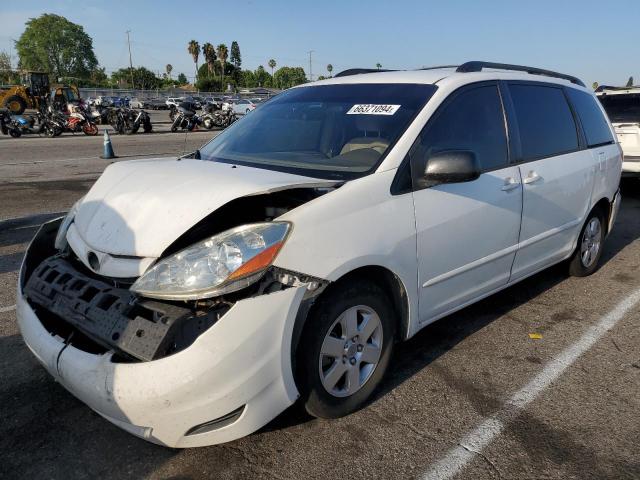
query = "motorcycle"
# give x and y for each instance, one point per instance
(7, 125)
(220, 116)
(78, 121)
(185, 119)
(40, 124)
(140, 118)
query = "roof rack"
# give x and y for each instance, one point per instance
(478, 66)
(438, 67)
(358, 71)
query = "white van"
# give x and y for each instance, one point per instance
(191, 300)
(623, 107)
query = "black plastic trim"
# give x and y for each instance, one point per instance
(358, 71)
(478, 66)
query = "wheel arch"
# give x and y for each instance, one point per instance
(604, 205)
(389, 281)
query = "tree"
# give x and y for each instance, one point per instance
(272, 64)
(52, 43)
(142, 77)
(378, 66)
(168, 69)
(209, 52)
(223, 53)
(286, 77)
(630, 82)
(235, 57)
(182, 79)
(329, 69)
(6, 73)
(595, 86)
(194, 51)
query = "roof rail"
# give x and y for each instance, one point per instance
(358, 71)
(478, 66)
(438, 67)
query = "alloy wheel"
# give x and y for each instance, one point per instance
(350, 351)
(591, 241)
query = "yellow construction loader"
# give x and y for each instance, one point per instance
(35, 87)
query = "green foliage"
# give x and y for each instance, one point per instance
(235, 58)
(630, 82)
(142, 78)
(7, 75)
(209, 52)
(52, 43)
(194, 50)
(272, 65)
(378, 66)
(169, 69)
(329, 69)
(182, 79)
(287, 77)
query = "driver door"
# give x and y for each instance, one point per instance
(467, 233)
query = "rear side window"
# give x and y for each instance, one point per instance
(595, 126)
(545, 121)
(473, 121)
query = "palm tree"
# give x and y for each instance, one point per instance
(223, 53)
(378, 66)
(169, 68)
(329, 69)
(272, 64)
(194, 51)
(209, 52)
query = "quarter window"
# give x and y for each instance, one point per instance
(473, 120)
(545, 121)
(596, 128)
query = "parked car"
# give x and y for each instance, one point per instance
(623, 107)
(136, 103)
(191, 301)
(155, 104)
(243, 106)
(174, 101)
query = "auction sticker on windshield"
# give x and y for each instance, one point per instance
(371, 109)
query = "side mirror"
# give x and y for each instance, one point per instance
(453, 166)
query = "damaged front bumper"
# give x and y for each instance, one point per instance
(233, 379)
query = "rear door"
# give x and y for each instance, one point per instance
(557, 174)
(467, 233)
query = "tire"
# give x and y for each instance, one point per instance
(15, 104)
(147, 127)
(327, 396)
(208, 123)
(90, 129)
(586, 258)
(15, 133)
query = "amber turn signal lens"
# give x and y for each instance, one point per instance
(257, 263)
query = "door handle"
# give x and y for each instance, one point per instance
(531, 177)
(510, 184)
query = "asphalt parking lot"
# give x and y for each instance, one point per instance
(471, 396)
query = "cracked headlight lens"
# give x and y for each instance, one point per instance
(224, 263)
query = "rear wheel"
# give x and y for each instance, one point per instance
(15, 133)
(345, 349)
(586, 258)
(15, 104)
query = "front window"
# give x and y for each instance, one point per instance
(328, 131)
(622, 108)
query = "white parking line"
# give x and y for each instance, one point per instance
(7, 309)
(474, 442)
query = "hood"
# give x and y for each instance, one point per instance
(138, 208)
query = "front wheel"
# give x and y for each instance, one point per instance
(345, 349)
(586, 258)
(90, 129)
(15, 133)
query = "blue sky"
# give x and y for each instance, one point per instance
(585, 38)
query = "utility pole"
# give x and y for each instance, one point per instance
(310, 74)
(130, 61)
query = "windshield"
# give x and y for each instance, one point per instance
(622, 108)
(327, 131)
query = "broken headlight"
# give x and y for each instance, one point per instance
(224, 263)
(61, 237)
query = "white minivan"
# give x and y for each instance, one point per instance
(191, 300)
